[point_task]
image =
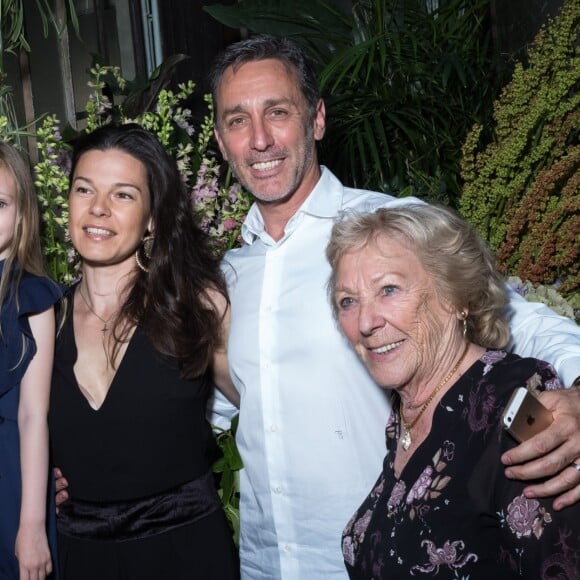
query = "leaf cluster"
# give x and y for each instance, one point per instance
(13, 39)
(227, 467)
(12, 28)
(52, 184)
(521, 187)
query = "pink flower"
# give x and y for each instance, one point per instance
(490, 358)
(522, 514)
(421, 485)
(348, 550)
(378, 490)
(361, 525)
(397, 494)
(230, 224)
(448, 450)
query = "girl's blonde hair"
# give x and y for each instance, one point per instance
(25, 253)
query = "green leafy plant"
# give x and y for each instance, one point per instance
(403, 83)
(12, 29)
(547, 295)
(51, 181)
(521, 187)
(13, 39)
(228, 467)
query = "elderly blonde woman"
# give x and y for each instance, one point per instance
(416, 293)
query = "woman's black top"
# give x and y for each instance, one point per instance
(149, 435)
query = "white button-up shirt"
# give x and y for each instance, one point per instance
(311, 429)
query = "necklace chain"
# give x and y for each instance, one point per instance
(406, 438)
(105, 322)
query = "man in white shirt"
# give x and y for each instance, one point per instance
(311, 430)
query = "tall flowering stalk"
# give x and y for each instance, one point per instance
(51, 181)
(99, 107)
(221, 208)
(521, 188)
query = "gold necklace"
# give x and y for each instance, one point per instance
(105, 322)
(406, 437)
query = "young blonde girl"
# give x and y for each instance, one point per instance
(26, 352)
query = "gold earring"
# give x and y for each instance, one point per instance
(147, 247)
(463, 315)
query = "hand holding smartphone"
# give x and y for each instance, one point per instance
(524, 415)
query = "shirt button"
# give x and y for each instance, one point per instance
(278, 489)
(287, 548)
(273, 428)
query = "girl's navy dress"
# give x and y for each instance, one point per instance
(17, 348)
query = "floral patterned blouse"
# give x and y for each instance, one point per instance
(453, 513)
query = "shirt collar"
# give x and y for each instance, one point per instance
(325, 201)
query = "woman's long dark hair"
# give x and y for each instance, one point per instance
(172, 302)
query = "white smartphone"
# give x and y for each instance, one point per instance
(524, 415)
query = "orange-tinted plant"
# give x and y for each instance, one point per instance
(521, 190)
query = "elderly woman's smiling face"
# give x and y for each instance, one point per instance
(390, 312)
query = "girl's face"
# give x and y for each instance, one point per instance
(109, 207)
(8, 201)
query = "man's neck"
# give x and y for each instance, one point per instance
(276, 215)
(275, 219)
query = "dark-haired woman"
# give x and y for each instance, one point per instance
(140, 333)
